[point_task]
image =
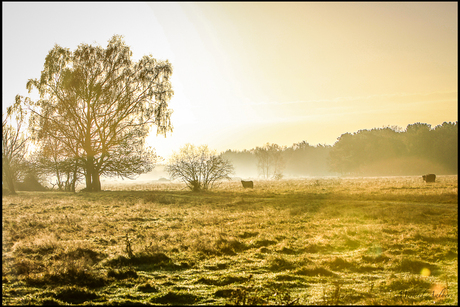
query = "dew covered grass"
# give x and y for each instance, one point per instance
(365, 241)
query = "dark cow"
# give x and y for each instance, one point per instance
(247, 184)
(429, 177)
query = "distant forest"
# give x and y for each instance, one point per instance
(388, 151)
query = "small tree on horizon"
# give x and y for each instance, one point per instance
(199, 167)
(270, 161)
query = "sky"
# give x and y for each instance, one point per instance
(248, 73)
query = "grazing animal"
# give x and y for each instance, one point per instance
(429, 177)
(247, 184)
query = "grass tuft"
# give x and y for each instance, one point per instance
(122, 273)
(279, 263)
(313, 270)
(156, 260)
(339, 264)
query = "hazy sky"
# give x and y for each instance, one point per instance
(249, 73)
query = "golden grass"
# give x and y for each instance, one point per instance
(360, 241)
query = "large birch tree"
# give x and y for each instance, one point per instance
(100, 105)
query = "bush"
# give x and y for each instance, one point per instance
(30, 183)
(199, 167)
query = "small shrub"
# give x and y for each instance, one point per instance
(30, 183)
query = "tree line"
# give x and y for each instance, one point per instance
(272, 161)
(387, 151)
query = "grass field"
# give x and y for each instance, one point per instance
(366, 241)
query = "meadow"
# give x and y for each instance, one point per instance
(329, 241)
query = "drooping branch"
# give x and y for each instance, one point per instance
(103, 102)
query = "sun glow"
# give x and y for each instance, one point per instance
(249, 73)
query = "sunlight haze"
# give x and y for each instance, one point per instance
(245, 74)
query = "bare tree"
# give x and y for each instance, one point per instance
(100, 105)
(198, 167)
(14, 144)
(270, 161)
(51, 159)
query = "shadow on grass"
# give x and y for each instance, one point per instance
(227, 280)
(175, 298)
(414, 266)
(339, 264)
(154, 260)
(68, 277)
(75, 295)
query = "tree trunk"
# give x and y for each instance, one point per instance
(74, 178)
(96, 181)
(10, 182)
(67, 182)
(89, 174)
